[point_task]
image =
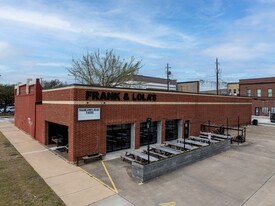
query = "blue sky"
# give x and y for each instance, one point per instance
(38, 39)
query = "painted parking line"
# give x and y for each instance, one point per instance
(104, 184)
(110, 178)
(168, 204)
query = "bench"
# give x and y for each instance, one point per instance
(192, 142)
(58, 139)
(138, 156)
(181, 146)
(89, 158)
(166, 150)
(205, 140)
(127, 158)
(213, 135)
(156, 154)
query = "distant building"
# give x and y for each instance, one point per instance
(233, 89)
(261, 90)
(191, 86)
(146, 82)
(221, 92)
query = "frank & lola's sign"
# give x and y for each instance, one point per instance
(118, 96)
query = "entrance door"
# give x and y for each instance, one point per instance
(257, 111)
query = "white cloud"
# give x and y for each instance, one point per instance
(8, 51)
(267, 1)
(210, 10)
(100, 27)
(4, 46)
(37, 19)
(237, 52)
(52, 64)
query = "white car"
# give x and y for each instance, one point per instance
(10, 109)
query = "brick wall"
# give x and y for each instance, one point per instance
(260, 102)
(39, 129)
(85, 137)
(25, 106)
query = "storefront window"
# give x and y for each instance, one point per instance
(265, 110)
(118, 137)
(153, 134)
(171, 130)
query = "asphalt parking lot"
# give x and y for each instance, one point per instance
(244, 175)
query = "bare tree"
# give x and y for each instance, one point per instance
(51, 84)
(109, 70)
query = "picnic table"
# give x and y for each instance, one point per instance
(165, 149)
(193, 142)
(203, 139)
(133, 155)
(213, 135)
(57, 140)
(181, 146)
(158, 155)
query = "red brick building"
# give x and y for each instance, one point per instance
(262, 92)
(100, 120)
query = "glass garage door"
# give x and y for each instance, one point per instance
(153, 133)
(118, 137)
(171, 130)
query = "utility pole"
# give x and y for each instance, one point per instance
(168, 75)
(217, 75)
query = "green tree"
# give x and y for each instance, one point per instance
(51, 84)
(6, 95)
(108, 70)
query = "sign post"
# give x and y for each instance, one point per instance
(149, 122)
(186, 131)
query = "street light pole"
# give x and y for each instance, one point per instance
(148, 121)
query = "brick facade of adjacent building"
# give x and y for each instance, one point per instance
(124, 106)
(27, 96)
(264, 103)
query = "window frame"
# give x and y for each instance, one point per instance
(248, 92)
(268, 93)
(259, 92)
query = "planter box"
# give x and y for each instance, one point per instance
(152, 170)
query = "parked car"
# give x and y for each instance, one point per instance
(272, 117)
(10, 109)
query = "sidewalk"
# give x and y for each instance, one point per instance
(69, 182)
